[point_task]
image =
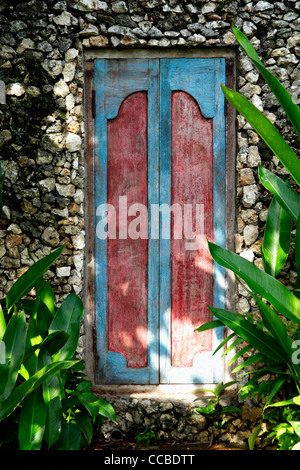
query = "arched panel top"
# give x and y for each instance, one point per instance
(196, 77)
(119, 78)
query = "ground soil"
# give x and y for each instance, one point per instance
(119, 445)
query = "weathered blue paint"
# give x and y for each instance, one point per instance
(114, 80)
(200, 78)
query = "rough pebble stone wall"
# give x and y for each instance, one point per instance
(175, 419)
(42, 133)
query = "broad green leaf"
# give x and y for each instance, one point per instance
(291, 401)
(95, 405)
(23, 304)
(28, 353)
(259, 282)
(253, 436)
(297, 261)
(209, 325)
(255, 378)
(285, 195)
(40, 281)
(209, 408)
(41, 315)
(70, 437)
(28, 280)
(284, 98)
(277, 386)
(225, 340)
(277, 239)
(68, 319)
(14, 340)
(246, 45)
(257, 338)
(232, 346)
(220, 387)
(54, 341)
(52, 400)
(34, 329)
(46, 295)
(231, 409)
(296, 426)
(267, 132)
(53, 419)
(85, 425)
(239, 354)
(32, 421)
(90, 405)
(22, 390)
(205, 410)
(2, 323)
(46, 308)
(248, 362)
(34, 339)
(84, 385)
(276, 327)
(106, 409)
(4, 374)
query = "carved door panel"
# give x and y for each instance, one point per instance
(159, 194)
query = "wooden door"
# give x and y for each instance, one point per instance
(159, 181)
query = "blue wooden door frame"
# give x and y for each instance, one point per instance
(159, 77)
(176, 75)
(135, 75)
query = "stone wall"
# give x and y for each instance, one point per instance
(174, 419)
(42, 134)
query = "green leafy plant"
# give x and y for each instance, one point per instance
(146, 437)
(40, 400)
(272, 339)
(214, 408)
(81, 410)
(287, 432)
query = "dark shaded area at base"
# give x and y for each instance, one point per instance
(121, 445)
